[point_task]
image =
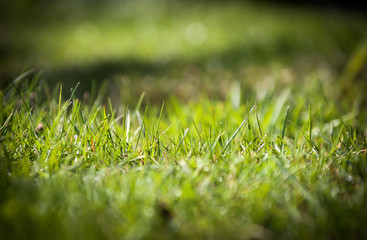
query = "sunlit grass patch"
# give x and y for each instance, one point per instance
(191, 121)
(291, 165)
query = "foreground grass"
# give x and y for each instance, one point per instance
(291, 166)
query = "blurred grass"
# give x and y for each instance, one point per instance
(149, 45)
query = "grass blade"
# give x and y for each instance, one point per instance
(239, 128)
(181, 141)
(309, 122)
(284, 125)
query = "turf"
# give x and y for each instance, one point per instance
(201, 170)
(199, 142)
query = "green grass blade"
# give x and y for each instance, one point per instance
(239, 128)
(259, 126)
(139, 102)
(309, 122)
(181, 141)
(284, 126)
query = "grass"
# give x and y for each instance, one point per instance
(256, 133)
(136, 44)
(289, 166)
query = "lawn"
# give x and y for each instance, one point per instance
(173, 120)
